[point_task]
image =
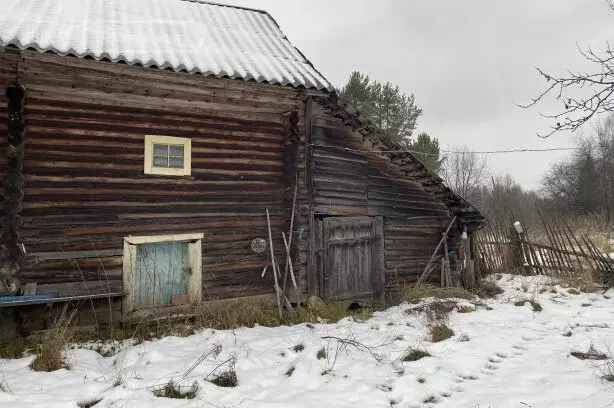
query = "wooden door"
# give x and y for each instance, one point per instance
(351, 261)
(161, 273)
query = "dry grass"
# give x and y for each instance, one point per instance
(50, 352)
(17, 348)
(250, 312)
(419, 292)
(486, 289)
(246, 312)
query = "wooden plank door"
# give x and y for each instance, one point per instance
(161, 273)
(352, 257)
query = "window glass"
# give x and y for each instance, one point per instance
(168, 156)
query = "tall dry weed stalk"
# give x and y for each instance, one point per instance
(50, 353)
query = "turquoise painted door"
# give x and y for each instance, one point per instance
(161, 272)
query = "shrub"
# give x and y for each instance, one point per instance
(421, 380)
(298, 348)
(440, 332)
(414, 354)
(172, 390)
(321, 353)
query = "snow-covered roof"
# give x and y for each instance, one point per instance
(185, 35)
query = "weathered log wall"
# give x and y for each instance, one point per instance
(85, 188)
(347, 182)
(8, 76)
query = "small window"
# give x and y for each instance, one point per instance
(168, 155)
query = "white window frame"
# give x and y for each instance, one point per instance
(195, 261)
(186, 142)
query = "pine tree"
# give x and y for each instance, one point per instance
(428, 148)
(392, 111)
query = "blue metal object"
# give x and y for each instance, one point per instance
(7, 299)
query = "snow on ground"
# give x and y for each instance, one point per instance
(514, 357)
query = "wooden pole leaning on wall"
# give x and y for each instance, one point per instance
(428, 264)
(292, 277)
(274, 264)
(446, 261)
(289, 245)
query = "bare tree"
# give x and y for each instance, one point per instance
(464, 171)
(581, 94)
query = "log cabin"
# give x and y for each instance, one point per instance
(144, 143)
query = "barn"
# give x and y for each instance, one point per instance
(164, 153)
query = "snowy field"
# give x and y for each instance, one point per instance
(501, 355)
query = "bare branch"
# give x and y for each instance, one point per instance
(597, 96)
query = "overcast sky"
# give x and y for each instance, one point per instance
(467, 62)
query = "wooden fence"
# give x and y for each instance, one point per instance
(510, 250)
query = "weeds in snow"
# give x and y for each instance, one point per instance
(341, 346)
(487, 289)
(175, 391)
(298, 348)
(290, 371)
(537, 307)
(466, 309)
(226, 378)
(440, 332)
(421, 380)
(463, 337)
(590, 354)
(415, 354)
(431, 399)
(321, 354)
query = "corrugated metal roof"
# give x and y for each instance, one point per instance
(185, 35)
